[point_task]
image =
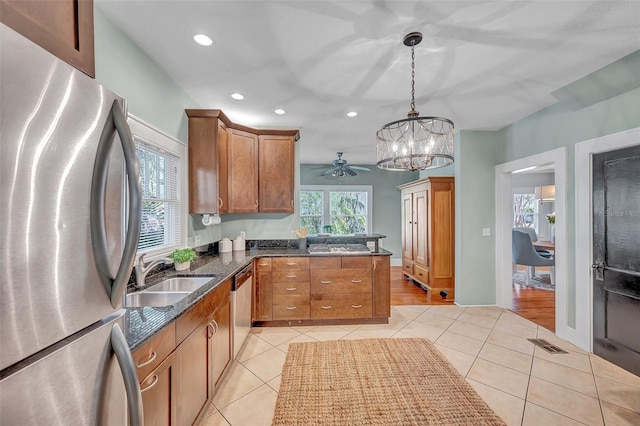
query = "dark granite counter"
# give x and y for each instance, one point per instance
(141, 324)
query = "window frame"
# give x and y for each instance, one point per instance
(326, 199)
(148, 134)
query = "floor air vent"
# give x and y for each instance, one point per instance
(552, 349)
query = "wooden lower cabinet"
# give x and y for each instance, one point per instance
(193, 358)
(159, 394)
(263, 290)
(220, 343)
(323, 289)
(181, 366)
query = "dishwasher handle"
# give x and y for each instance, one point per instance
(243, 276)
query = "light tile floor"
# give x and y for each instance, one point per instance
(523, 384)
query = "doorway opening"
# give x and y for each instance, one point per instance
(553, 162)
(533, 291)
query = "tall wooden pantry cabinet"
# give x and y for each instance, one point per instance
(428, 234)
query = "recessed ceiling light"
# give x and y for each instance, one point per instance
(352, 114)
(202, 40)
(237, 96)
(279, 111)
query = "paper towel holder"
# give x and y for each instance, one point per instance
(208, 219)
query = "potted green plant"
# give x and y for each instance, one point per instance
(182, 258)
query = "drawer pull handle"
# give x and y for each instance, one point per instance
(292, 288)
(263, 264)
(291, 308)
(325, 282)
(291, 276)
(326, 307)
(155, 382)
(356, 306)
(149, 361)
(291, 263)
(356, 281)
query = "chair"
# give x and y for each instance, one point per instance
(534, 238)
(523, 253)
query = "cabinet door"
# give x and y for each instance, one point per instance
(222, 149)
(420, 228)
(407, 225)
(203, 165)
(158, 394)
(276, 173)
(381, 283)
(263, 301)
(192, 358)
(220, 342)
(63, 27)
(243, 172)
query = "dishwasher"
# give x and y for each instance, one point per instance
(241, 307)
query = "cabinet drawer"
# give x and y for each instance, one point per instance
(356, 262)
(325, 281)
(291, 288)
(421, 274)
(336, 306)
(263, 264)
(290, 307)
(290, 276)
(290, 263)
(407, 267)
(334, 262)
(152, 353)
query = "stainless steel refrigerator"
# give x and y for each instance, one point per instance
(69, 219)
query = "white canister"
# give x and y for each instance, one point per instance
(238, 244)
(224, 246)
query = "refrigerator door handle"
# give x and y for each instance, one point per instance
(127, 366)
(117, 121)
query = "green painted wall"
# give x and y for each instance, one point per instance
(386, 198)
(561, 125)
(150, 93)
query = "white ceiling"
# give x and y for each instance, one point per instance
(482, 64)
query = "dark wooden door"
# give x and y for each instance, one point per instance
(243, 172)
(616, 257)
(276, 173)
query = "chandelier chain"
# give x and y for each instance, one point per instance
(413, 77)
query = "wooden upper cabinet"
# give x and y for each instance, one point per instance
(63, 27)
(204, 136)
(243, 172)
(276, 174)
(237, 169)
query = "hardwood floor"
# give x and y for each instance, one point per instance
(533, 304)
(406, 292)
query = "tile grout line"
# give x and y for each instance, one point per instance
(526, 395)
(595, 384)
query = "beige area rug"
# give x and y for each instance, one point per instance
(375, 382)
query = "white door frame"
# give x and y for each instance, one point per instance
(504, 224)
(584, 225)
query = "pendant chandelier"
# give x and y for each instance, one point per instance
(415, 143)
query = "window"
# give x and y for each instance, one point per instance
(346, 209)
(525, 210)
(161, 173)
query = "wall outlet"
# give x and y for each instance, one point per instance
(243, 234)
(198, 240)
(486, 232)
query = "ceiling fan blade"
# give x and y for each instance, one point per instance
(328, 171)
(348, 171)
(364, 169)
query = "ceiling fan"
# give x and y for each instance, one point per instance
(340, 168)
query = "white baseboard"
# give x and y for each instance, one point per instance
(396, 262)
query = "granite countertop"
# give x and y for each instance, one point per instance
(141, 324)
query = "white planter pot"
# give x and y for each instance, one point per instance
(182, 266)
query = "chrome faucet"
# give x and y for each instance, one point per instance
(142, 270)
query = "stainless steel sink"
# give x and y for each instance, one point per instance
(179, 284)
(154, 298)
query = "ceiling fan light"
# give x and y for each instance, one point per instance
(416, 136)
